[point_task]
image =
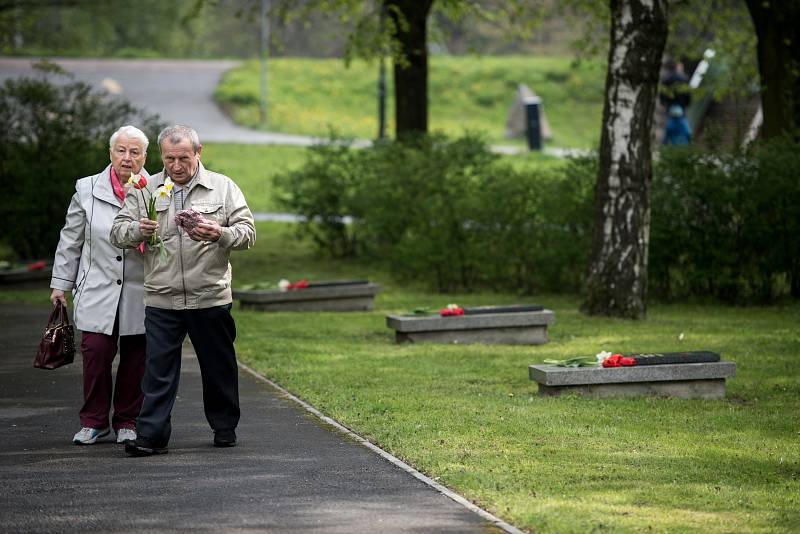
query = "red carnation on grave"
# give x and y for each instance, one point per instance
(302, 284)
(451, 311)
(618, 360)
(37, 266)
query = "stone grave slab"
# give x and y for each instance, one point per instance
(24, 277)
(505, 327)
(321, 296)
(704, 380)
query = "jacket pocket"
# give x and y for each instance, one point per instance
(162, 215)
(210, 210)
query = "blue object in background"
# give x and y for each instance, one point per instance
(677, 131)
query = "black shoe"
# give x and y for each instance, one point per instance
(225, 438)
(143, 447)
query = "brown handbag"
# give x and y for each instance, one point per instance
(57, 347)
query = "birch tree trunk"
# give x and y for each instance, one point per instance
(616, 283)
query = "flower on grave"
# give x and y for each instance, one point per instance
(618, 360)
(301, 284)
(607, 359)
(285, 285)
(452, 310)
(602, 355)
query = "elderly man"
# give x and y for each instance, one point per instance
(189, 290)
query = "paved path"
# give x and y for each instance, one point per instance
(288, 474)
(180, 91)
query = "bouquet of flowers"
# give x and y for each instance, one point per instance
(188, 219)
(286, 285)
(164, 190)
(452, 310)
(607, 359)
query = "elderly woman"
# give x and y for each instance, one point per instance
(106, 283)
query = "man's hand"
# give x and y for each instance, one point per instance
(58, 295)
(147, 227)
(206, 231)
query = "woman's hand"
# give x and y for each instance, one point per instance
(58, 295)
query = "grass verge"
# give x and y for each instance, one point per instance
(252, 168)
(469, 417)
(467, 93)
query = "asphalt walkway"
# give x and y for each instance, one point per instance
(181, 91)
(289, 473)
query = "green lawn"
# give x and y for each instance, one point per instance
(252, 168)
(470, 417)
(311, 96)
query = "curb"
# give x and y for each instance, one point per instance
(495, 521)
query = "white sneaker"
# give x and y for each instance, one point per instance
(125, 435)
(87, 436)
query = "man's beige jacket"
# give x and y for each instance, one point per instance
(195, 274)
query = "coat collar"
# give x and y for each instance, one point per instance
(102, 189)
(202, 178)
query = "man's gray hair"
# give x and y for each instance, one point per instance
(177, 133)
(131, 132)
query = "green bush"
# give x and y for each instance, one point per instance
(53, 131)
(727, 225)
(537, 226)
(320, 192)
(446, 212)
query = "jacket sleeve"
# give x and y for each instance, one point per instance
(125, 231)
(70, 244)
(240, 233)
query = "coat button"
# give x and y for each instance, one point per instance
(119, 258)
(119, 282)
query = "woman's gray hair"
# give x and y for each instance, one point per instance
(176, 133)
(131, 132)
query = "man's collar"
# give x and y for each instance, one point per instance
(202, 178)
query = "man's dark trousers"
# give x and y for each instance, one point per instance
(212, 332)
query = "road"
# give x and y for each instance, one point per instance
(181, 92)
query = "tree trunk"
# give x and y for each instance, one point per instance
(616, 282)
(777, 26)
(410, 18)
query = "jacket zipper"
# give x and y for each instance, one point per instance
(180, 251)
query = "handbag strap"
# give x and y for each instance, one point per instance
(63, 315)
(58, 316)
